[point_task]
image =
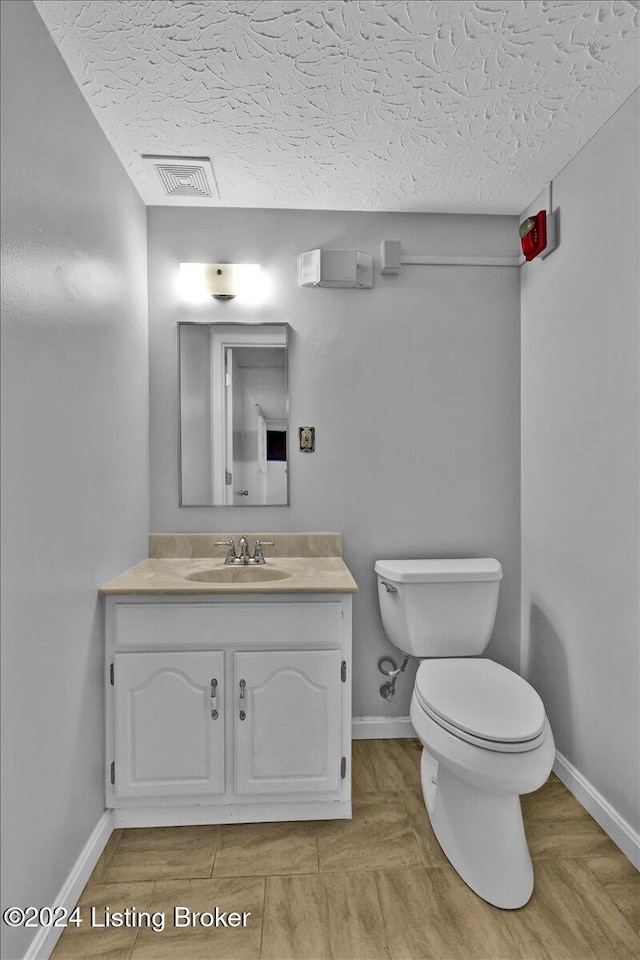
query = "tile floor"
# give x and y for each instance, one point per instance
(373, 887)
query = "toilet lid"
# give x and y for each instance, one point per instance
(481, 698)
(439, 571)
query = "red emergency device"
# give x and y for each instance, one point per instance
(533, 235)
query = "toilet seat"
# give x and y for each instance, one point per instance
(482, 702)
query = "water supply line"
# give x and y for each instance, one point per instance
(388, 689)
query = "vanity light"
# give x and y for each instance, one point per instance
(198, 282)
(220, 281)
(224, 280)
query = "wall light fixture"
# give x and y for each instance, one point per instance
(198, 282)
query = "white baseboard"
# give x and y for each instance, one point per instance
(621, 832)
(46, 938)
(381, 728)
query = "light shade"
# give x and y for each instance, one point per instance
(221, 280)
(198, 282)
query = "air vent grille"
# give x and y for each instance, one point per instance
(184, 176)
(181, 181)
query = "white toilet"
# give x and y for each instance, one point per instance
(485, 734)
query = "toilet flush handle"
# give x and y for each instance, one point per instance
(389, 587)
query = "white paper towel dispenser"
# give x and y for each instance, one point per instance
(336, 268)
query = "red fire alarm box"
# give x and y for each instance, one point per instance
(533, 235)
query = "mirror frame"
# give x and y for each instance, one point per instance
(244, 326)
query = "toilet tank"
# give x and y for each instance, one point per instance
(439, 608)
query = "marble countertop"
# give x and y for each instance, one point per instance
(168, 574)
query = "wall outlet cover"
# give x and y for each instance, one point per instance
(391, 256)
(307, 438)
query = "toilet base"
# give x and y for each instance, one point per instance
(481, 834)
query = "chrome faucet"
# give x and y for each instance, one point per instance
(257, 553)
(243, 555)
(231, 552)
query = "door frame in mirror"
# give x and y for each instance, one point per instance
(262, 330)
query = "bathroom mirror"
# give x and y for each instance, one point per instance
(233, 414)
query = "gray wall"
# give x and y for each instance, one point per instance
(75, 451)
(580, 465)
(413, 388)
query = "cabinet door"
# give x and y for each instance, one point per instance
(169, 732)
(289, 739)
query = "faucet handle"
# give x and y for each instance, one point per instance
(257, 553)
(231, 552)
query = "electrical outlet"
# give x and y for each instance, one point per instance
(307, 437)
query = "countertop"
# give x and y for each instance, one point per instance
(167, 576)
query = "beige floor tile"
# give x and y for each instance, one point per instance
(162, 853)
(430, 850)
(232, 894)
(621, 881)
(551, 802)
(363, 774)
(557, 825)
(106, 856)
(379, 835)
(430, 914)
(584, 907)
(385, 765)
(168, 838)
(568, 838)
(570, 917)
(323, 917)
(260, 849)
(108, 943)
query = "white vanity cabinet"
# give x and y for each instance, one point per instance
(228, 708)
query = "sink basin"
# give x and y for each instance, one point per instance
(238, 574)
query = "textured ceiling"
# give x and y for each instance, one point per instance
(341, 104)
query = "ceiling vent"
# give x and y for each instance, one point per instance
(184, 176)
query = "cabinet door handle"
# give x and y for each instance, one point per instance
(242, 714)
(213, 699)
